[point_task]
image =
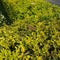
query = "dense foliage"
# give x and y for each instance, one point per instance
(34, 33)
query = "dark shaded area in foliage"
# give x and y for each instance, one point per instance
(12, 48)
(29, 52)
(8, 21)
(51, 48)
(40, 45)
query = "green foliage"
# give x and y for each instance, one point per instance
(34, 33)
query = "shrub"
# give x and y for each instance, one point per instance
(34, 33)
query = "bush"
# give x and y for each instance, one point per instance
(34, 33)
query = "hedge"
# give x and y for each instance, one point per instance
(34, 33)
